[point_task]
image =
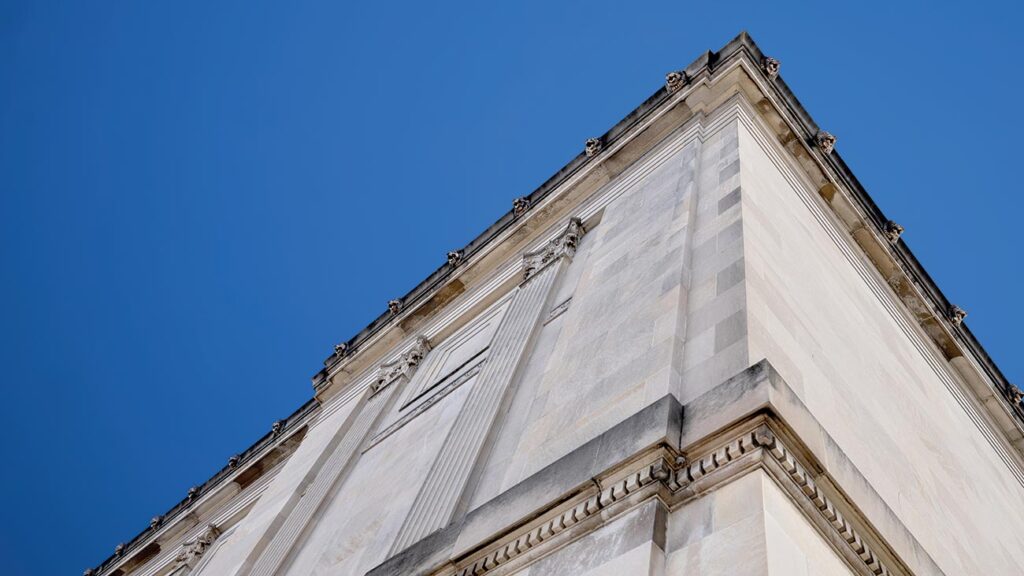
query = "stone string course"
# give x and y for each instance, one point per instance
(721, 465)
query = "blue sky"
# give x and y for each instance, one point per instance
(198, 199)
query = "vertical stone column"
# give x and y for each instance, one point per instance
(311, 497)
(448, 477)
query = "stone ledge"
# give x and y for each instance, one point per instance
(657, 425)
(752, 420)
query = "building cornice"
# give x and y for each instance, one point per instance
(953, 337)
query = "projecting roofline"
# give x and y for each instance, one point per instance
(945, 328)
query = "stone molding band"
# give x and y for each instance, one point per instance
(753, 445)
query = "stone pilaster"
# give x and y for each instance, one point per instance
(450, 473)
(390, 378)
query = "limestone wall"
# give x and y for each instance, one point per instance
(818, 314)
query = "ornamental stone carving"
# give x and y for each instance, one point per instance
(674, 81)
(826, 142)
(893, 231)
(592, 147)
(394, 306)
(233, 461)
(404, 366)
(564, 244)
(455, 258)
(195, 548)
(193, 492)
(770, 66)
(119, 550)
(276, 427)
(155, 521)
(957, 315)
(89, 572)
(1016, 395)
(340, 349)
(520, 206)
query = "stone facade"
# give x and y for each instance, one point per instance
(699, 351)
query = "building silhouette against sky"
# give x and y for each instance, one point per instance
(697, 349)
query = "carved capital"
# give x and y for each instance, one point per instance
(893, 231)
(592, 147)
(455, 257)
(770, 66)
(826, 142)
(195, 548)
(957, 315)
(403, 367)
(675, 80)
(563, 245)
(520, 206)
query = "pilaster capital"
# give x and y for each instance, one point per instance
(195, 548)
(564, 244)
(404, 366)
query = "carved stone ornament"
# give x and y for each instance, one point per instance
(455, 258)
(675, 80)
(195, 548)
(233, 461)
(192, 493)
(957, 315)
(893, 231)
(520, 206)
(276, 427)
(89, 572)
(119, 550)
(155, 521)
(826, 142)
(592, 147)
(404, 366)
(341, 349)
(564, 244)
(770, 66)
(1016, 395)
(394, 306)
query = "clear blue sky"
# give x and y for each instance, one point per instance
(198, 199)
